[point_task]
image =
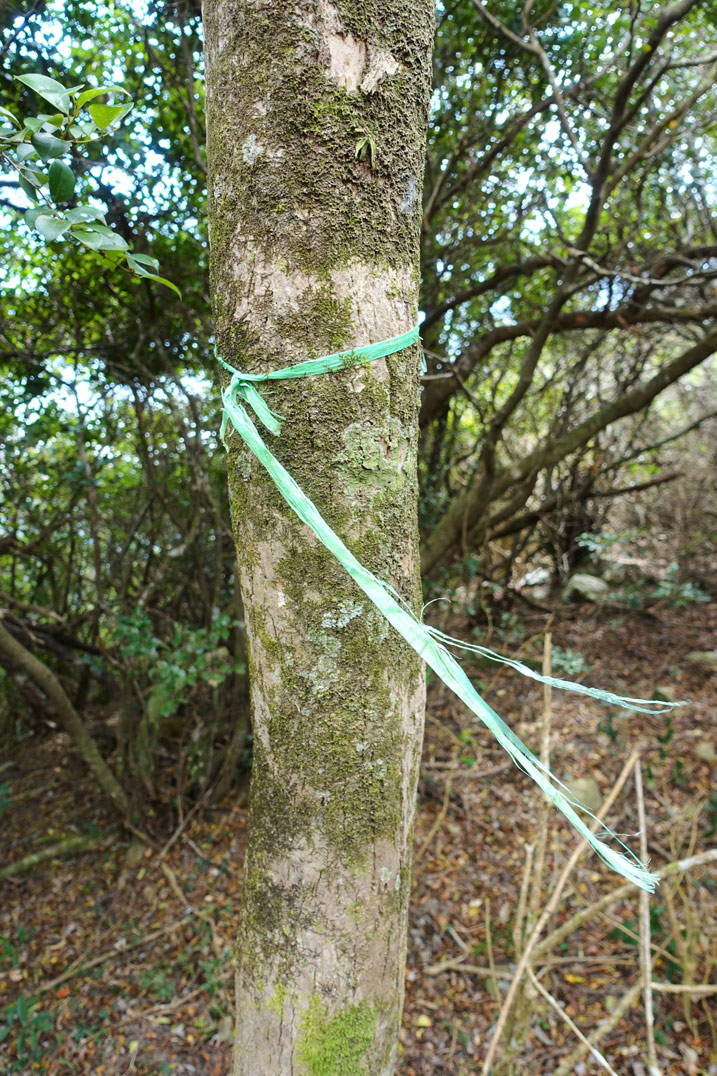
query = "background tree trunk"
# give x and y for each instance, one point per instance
(316, 127)
(26, 664)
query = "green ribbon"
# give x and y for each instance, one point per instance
(242, 385)
(427, 642)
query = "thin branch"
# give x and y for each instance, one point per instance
(575, 921)
(624, 1005)
(645, 953)
(548, 911)
(573, 1026)
(70, 846)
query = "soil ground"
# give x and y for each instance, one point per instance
(115, 961)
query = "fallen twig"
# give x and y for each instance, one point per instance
(547, 912)
(576, 921)
(440, 818)
(102, 958)
(701, 989)
(573, 1026)
(70, 846)
(645, 950)
(624, 1005)
(489, 946)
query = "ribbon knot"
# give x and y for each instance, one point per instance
(241, 385)
(240, 388)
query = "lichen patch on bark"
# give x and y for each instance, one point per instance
(351, 63)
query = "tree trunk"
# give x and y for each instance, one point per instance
(316, 118)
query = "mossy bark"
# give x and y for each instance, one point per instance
(316, 128)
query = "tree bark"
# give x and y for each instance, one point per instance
(316, 117)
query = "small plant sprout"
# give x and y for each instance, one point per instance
(365, 148)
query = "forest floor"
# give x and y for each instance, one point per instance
(115, 962)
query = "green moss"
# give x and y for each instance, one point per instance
(335, 1044)
(320, 317)
(276, 1001)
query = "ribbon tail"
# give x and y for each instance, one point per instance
(644, 706)
(418, 636)
(263, 412)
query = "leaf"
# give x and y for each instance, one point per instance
(99, 237)
(51, 123)
(84, 213)
(8, 115)
(49, 88)
(89, 95)
(85, 129)
(50, 228)
(31, 216)
(88, 239)
(48, 146)
(138, 261)
(160, 279)
(114, 257)
(62, 182)
(28, 188)
(33, 123)
(104, 115)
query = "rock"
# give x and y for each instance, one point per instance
(703, 657)
(589, 588)
(617, 573)
(586, 791)
(706, 751)
(225, 1029)
(536, 578)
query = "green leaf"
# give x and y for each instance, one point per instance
(160, 279)
(114, 257)
(139, 261)
(84, 213)
(31, 216)
(8, 115)
(112, 241)
(98, 237)
(89, 95)
(62, 182)
(51, 123)
(104, 115)
(24, 151)
(33, 175)
(87, 238)
(48, 146)
(33, 123)
(85, 129)
(50, 228)
(49, 88)
(28, 188)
